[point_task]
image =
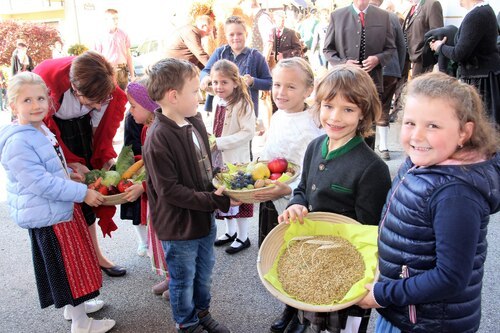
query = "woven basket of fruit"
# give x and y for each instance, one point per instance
(242, 181)
(112, 183)
(113, 200)
(321, 265)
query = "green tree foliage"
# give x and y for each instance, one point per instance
(39, 37)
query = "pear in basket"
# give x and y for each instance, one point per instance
(260, 171)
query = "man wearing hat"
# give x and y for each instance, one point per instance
(21, 61)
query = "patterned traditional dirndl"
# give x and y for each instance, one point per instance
(76, 134)
(220, 115)
(489, 89)
(245, 210)
(66, 266)
(155, 249)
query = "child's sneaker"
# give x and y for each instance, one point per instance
(166, 295)
(160, 288)
(210, 324)
(192, 329)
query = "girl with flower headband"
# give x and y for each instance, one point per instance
(142, 109)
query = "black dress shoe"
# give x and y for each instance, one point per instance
(296, 327)
(243, 245)
(114, 271)
(280, 324)
(229, 239)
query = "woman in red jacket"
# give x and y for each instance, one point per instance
(86, 111)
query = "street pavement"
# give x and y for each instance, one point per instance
(238, 298)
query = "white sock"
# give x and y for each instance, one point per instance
(242, 231)
(78, 316)
(383, 133)
(142, 234)
(81, 321)
(230, 228)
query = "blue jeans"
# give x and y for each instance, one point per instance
(190, 264)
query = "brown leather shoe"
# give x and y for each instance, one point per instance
(160, 288)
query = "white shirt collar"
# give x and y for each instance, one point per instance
(358, 11)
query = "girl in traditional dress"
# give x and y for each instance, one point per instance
(234, 127)
(41, 195)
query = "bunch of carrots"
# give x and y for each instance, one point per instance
(127, 172)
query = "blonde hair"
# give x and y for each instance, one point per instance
(468, 107)
(299, 64)
(21, 79)
(240, 93)
(354, 85)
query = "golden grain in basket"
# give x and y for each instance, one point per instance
(363, 237)
(319, 269)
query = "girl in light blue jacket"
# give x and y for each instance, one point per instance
(41, 195)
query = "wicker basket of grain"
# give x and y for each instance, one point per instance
(113, 200)
(246, 196)
(270, 250)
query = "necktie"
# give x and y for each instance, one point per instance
(362, 18)
(363, 37)
(277, 44)
(412, 11)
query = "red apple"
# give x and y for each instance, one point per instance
(278, 165)
(275, 176)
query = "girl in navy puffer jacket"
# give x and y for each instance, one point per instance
(41, 196)
(432, 242)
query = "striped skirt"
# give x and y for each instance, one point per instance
(155, 249)
(65, 263)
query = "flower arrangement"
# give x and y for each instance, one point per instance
(77, 49)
